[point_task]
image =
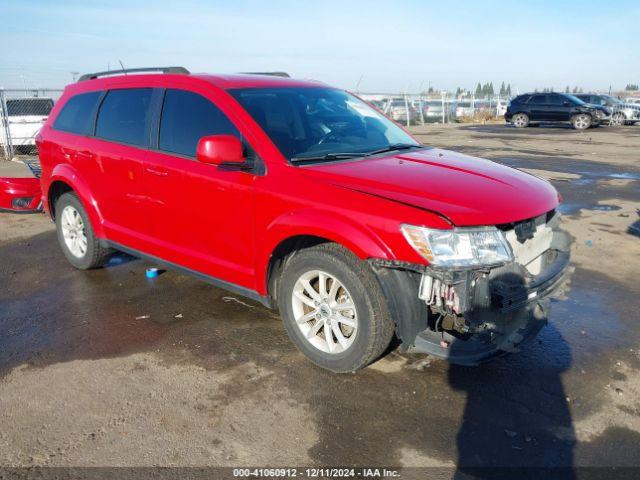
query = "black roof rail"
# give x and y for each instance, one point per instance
(125, 71)
(273, 74)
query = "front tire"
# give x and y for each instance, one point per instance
(520, 120)
(75, 234)
(582, 121)
(333, 308)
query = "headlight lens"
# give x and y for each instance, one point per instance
(459, 247)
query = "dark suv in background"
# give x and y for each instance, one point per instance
(554, 108)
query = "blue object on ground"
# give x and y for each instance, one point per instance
(152, 272)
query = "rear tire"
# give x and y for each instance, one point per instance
(582, 121)
(520, 120)
(313, 313)
(75, 234)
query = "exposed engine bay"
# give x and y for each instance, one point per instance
(469, 314)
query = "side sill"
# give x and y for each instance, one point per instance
(231, 287)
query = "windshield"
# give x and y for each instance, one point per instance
(574, 99)
(611, 100)
(313, 122)
(29, 106)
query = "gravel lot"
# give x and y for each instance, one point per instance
(107, 368)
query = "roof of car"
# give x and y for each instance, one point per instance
(244, 80)
(224, 81)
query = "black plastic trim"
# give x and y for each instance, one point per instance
(33, 210)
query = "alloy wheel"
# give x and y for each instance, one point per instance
(324, 312)
(582, 122)
(520, 121)
(73, 231)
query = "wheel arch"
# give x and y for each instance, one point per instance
(56, 189)
(63, 180)
(305, 229)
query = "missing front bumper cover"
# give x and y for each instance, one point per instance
(470, 315)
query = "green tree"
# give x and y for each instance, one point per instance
(631, 87)
(567, 89)
(508, 90)
(478, 90)
(503, 90)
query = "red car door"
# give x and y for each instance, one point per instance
(115, 158)
(199, 216)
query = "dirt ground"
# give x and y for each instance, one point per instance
(107, 368)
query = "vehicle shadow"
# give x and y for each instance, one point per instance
(516, 416)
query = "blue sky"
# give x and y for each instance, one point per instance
(392, 45)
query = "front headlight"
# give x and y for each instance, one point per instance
(459, 247)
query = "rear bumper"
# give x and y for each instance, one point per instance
(499, 310)
(20, 195)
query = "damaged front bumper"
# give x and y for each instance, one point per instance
(469, 315)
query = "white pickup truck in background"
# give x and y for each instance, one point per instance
(25, 117)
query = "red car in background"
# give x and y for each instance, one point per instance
(304, 198)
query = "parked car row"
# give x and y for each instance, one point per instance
(581, 111)
(400, 109)
(621, 112)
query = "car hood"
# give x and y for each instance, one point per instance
(468, 191)
(593, 106)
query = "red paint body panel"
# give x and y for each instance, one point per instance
(13, 188)
(468, 191)
(226, 224)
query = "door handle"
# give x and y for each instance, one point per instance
(67, 153)
(158, 173)
(84, 155)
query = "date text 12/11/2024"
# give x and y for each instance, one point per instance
(315, 473)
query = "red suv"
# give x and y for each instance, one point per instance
(306, 199)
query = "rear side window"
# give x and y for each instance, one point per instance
(538, 99)
(555, 99)
(77, 114)
(186, 118)
(124, 116)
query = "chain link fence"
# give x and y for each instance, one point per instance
(22, 114)
(415, 109)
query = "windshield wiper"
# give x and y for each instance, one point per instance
(396, 146)
(329, 156)
(347, 155)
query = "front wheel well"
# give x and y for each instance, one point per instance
(56, 190)
(282, 253)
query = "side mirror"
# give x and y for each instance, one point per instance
(566, 103)
(219, 149)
